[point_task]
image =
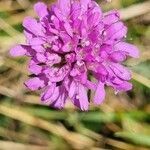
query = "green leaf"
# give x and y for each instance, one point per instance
(136, 138)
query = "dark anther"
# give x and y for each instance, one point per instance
(32, 75)
(41, 64)
(59, 83)
(79, 44)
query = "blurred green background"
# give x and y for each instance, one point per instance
(121, 122)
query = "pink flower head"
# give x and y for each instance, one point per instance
(71, 40)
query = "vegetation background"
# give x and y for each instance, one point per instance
(121, 122)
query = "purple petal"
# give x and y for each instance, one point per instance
(72, 90)
(121, 71)
(84, 4)
(64, 6)
(53, 59)
(94, 19)
(60, 102)
(111, 17)
(120, 34)
(66, 47)
(58, 13)
(56, 22)
(34, 84)
(48, 93)
(33, 26)
(76, 11)
(68, 28)
(130, 49)
(41, 9)
(99, 94)
(125, 86)
(83, 78)
(82, 98)
(55, 95)
(117, 56)
(40, 57)
(38, 48)
(116, 31)
(106, 48)
(90, 85)
(35, 69)
(102, 70)
(57, 75)
(36, 41)
(29, 35)
(117, 81)
(19, 50)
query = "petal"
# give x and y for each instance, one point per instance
(57, 75)
(67, 83)
(72, 90)
(64, 6)
(99, 94)
(34, 84)
(117, 56)
(68, 28)
(33, 26)
(60, 102)
(75, 8)
(121, 33)
(106, 48)
(121, 71)
(116, 31)
(90, 85)
(41, 9)
(38, 48)
(53, 58)
(48, 93)
(56, 22)
(130, 49)
(102, 70)
(84, 4)
(40, 57)
(66, 47)
(35, 69)
(117, 81)
(65, 37)
(58, 13)
(94, 19)
(36, 41)
(30, 23)
(19, 50)
(83, 78)
(125, 86)
(29, 35)
(81, 99)
(55, 95)
(111, 17)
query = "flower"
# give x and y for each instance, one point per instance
(72, 40)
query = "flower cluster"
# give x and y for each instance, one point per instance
(71, 41)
